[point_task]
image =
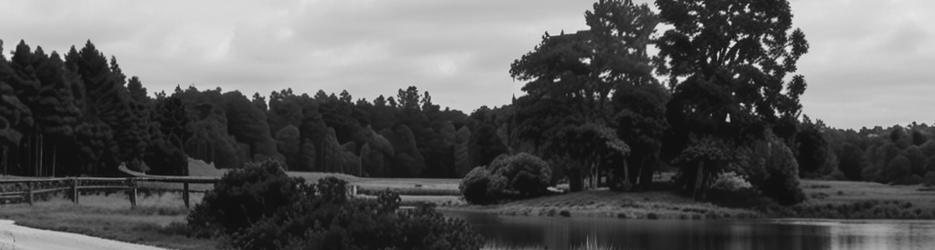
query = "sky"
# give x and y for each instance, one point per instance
(868, 64)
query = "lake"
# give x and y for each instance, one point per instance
(521, 232)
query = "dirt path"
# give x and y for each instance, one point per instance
(18, 237)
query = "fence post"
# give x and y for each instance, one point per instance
(74, 189)
(29, 194)
(185, 193)
(132, 183)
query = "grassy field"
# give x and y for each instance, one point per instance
(157, 221)
(826, 199)
(820, 192)
(605, 203)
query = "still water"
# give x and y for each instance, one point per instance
(519, 232)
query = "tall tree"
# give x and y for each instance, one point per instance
(56, 111)
(247, 123)
(13, 113)
(571, 79)
(728, 63)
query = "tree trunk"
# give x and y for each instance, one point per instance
(646, 173)
(699, 179)
(5, 160)
(575, 183)
(41, 151)
(54, 153)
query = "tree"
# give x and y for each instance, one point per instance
(56, 111)
(13, 113)
(285, 108)
(728, 63)
(288, 142)
(461, 151)
(247, 123)
(408, 161)
(593, 148)
(852, 162)
(916, 160)
(898, 170)
(811, 150)
(106, 105)
(485, 145)
(571, 79)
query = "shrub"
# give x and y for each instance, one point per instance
(733, 190)
(259, 207)
(357, 224)
(243, 196)
(526, 174)
(772, 169)
(480, 186)
(508, 177)
(731, 181)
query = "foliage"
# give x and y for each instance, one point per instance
(526, 175)
(811, 150)
(507, 177)
(243, 196)
(772, 169)
(481, 186)
(782, 179)
(852, 162)
(730, 181)
(260, 208)
(733, 190)
(569, 79)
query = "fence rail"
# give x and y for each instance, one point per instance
(26, 189)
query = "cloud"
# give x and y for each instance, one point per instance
(865, 55)
(458, 50)
(868, 63)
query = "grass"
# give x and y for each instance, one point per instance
(605, 203)
(860, 200)
(158, 220)
(826, 199)
(822, 193)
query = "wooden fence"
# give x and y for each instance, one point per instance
(27, 189)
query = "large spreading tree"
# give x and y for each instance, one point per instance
(591, 82)
(730, 66)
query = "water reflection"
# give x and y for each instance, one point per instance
(517, 232)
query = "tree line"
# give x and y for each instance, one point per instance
(895, 155)
(81, 115)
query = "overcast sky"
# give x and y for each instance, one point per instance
(869, 63)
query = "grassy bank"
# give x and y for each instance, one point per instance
(826, 199)
(604, 203)
(157, 221)
(860, 200)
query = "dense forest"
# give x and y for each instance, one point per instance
(598, 103)
(81, 115)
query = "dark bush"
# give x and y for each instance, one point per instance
(243, 196)
(357, 224)
(261, 208)
(480, 186)
(733, 190)
(526, 174)
(508, 177)
(782, 179)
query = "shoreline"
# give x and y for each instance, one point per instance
(829, 200)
